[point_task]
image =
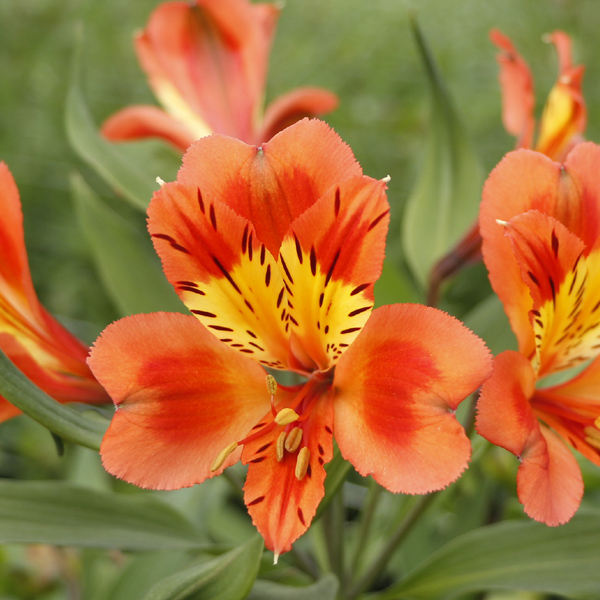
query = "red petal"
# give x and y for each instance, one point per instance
(523, 181)
(221, 271)
(331, 258)
(181, 396)
(281, 506)
(137, 122)
(212, 56)
(396, 390)
(516, 83)
(294, 106)
(273, 185)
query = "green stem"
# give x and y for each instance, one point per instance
(60, 420)
(380, 563)
(333, 523)
(367, 515)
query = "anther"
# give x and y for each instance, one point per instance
(279, 448)
(271, 385)
(302, 463)
(592, 435)
(292, 442)
(222, 457)
(286, 416)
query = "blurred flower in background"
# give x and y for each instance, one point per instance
(34, 341)
(207, 62)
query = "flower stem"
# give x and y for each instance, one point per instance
(378, 566)
(333, 523)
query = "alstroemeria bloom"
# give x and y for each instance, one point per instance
(540, 223)
(35, 342)
(206, 61)
(275, 250)
(560, 127)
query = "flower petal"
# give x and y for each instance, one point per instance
(549, 483)
(272, 185)
(38, 344)
(137, 122)
(294, 106)
(331, 257)
(211, 57)
(281, 505)
(397, 387)
(516, 83)
(181, 397)
(564, 115)
(221, 270)
(523, 181)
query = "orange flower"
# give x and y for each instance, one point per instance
(34, 341)
(540, 223)
(207, 64)
(560, 128)
(275, 251)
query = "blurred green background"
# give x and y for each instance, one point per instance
(363, 50)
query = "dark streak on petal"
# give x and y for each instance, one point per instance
(377, 219)
(174, 244)
(204, 313)
(227, 275)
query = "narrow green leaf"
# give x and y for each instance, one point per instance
(513, 555)
(337, 471)
(59, 513)
(130, 178)
(324, 589)
(126, 261)
(445, 200)
(228, 577)
(61, 420)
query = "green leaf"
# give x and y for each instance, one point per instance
(61, 420)
(126, 261)
(59, 513)
(131, 177)
(228, 577)
(337, 471)
(489, 321)
(513, 555)
(445, 200)
(324, 589)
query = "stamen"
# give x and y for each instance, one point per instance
(302, 463)
(286, 416)
(597, 422)
(292, 442)
(280, 446)
(222, 457)
(271, 385)
(160, 181)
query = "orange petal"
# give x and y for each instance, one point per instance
(331, 258)
(221, 270)
(516, 83)
(209, 58)
(549, 483)
(137, 122)
(181, 398)
(294, 106)
(38, 344)
(282, 506)
(397, 387)
(565, 114)
(272, 185)
(523, 181)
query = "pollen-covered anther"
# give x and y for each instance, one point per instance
(271, 385)
(293, 439)
(592, 435)
(280, 446)
(302, 463)
(222, 457)
(286, 416)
